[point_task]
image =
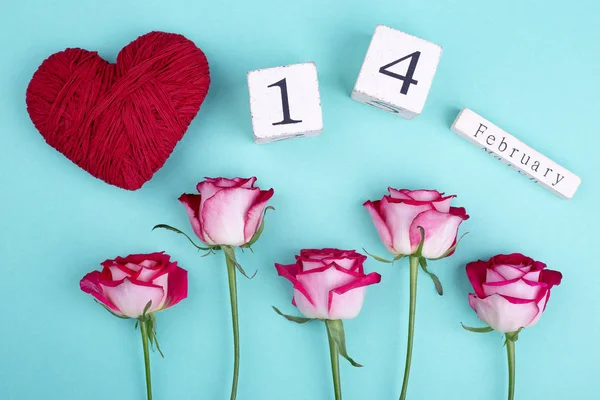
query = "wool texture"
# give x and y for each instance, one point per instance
(120, 122)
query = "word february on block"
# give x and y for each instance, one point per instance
(516, 154)
(397, 72)
(285, 102)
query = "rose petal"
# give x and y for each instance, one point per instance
(91, 284)
(289, 272)
(345, 302)
(225, 183)
(150, 264)
(493, 276)
(533, 276)
(310, 265)
(459, 212)
(177, 287)
(119, 272)
(162, 280)
(160, 257)
(514, 259)
(399, 194)
(192, 202)
(398, 217)
(382, 229)
(223, 215)
(476, 272)
(502, 314)
(551, 278)
(509, 272)
(255, 214)
(424, 195)
(149, 275)
(517, 288)
(131, 297)
(443, 204)
(542, 307)
(440, 232)
(345, 263)
(318, 283)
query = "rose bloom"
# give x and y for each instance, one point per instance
(398, 216)
(126, 285)
(328, 283)
(511, 291)
(227, 211)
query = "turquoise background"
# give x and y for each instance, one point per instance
(530, 67)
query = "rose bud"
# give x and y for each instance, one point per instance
(397, 218)
(227, 211)
(511, 291)
(329, 283)
(127, 285)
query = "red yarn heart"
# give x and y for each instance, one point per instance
(120, 122)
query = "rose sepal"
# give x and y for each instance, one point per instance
(434, 278)
(383, 260)
(110, 311)
(483, 329)
(149, 319)
(210, 249)
(335, 329)
(228, 250)
(230, 255)
(423, 263)
(292, 318)
(259, 231)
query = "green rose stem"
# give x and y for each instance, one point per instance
(231, 271)
(335, 365)
(414, 269)
(510, 351)
(144, 330)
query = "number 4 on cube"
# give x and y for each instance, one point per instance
(397, 72)
(285, 102)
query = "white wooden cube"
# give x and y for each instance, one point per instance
(516, 154)
(285, 102)
(397, 72)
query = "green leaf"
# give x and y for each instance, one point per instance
(434, 278)
(170, 228)
(484, 329)
(298, 320)
(260, 229)
(420, 248)
(451, 249)
(335, 329)
(230, 254)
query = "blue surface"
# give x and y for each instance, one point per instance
(530, 67)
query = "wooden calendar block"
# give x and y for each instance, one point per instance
(285, 102)
(516, 154)
(397, 72)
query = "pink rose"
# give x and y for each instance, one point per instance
(511, 291)
(397, 218)
(328, 283)
(126, 285)
(227, 211)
